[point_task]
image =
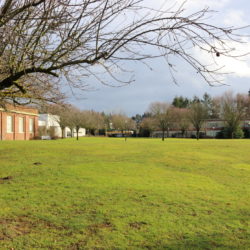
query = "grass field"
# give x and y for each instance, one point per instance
(104, 193)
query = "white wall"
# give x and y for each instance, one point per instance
(48, 120)
(81, 133)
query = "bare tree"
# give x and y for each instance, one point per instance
(118, 121)
(233, 111)
(163, 115)
(45, 42)
(147, 126)
(123, 123)
(79, 119)
(95, 121)
(197, 116)
(244, 100)
(182, 120)
(62, 115)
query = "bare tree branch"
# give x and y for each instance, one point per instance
(66, 38)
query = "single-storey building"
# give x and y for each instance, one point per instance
(210, 129)
(18, 123)
(49, 127)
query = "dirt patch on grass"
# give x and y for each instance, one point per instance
(5, 179)
(92, 231)
(11, 228)
(37, 163)
(137, 225)
(94, 228)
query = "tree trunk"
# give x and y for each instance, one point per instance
(71, 132)
(77, 131)
(182, 133)
(163, 135)
(197, 134)
(62, 132)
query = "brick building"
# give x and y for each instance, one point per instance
(18, 123)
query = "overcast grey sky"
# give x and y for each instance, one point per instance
(156, 85)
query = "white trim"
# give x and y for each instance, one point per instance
(18, 112)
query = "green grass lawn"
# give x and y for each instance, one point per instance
(105, 193)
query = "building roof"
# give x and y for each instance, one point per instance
(19, 109)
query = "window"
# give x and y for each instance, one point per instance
(10, 124)
(31, 125)
(21, 124)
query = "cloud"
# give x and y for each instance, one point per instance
(198, 4)
(239, 67)
(151, 86)
(190, 6)
(235, 18)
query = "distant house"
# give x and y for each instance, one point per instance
(18, 123)
(49, 126)
(210, 129)
(213, 127)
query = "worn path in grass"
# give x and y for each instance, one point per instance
(105, 193)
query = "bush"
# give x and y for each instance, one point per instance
(246, 132)
(227, 133)
(144, 132)
(239, 133)
(220, 135)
